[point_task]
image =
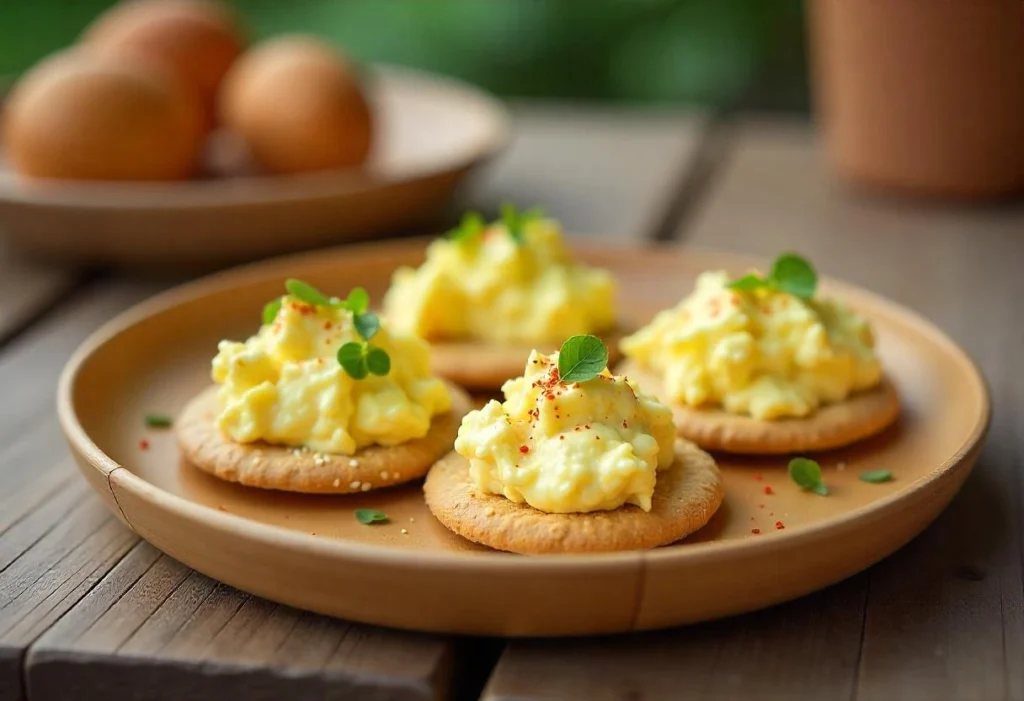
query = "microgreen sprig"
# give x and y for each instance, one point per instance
(876, 476)
(158, 421)
(472, 226)
(790, 273)
(581, 358)
(515, 221)
(357, 358)
(305, 292)
(271, 309)
(807, 474)
(368, 517)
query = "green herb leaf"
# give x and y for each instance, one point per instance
(515, 222)
(367, 325)
(807, 474)
(790, 274)
(352, 358)
(271, 309)
(307, 293)
(794, 275)
(358, 300)
(581, 358)
(750, 281)
(876, 476)
(470, 228)
(158, 421)
(377, 361)
(368, 517)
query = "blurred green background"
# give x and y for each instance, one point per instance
(718, 53)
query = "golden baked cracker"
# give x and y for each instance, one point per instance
(286, 469)
(484, 366)
(686, 496)
(832, 426)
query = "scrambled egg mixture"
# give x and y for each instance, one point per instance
(284, 385)
(762, 352)
(493, 288)
(560, 448)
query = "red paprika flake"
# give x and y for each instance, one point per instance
(143, 444)
(758, 476)
(779, 525)
(524, 449)
(304, 309)
(768, 489)
(755, 531)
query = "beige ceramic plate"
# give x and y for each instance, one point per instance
(433, 131)
(310, 552)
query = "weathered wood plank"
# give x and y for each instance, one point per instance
(151, 626)
(54, 537)
(607, 173)
(723, 660)
(27, 288)
(942, 618)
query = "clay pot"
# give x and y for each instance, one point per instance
(920, 96)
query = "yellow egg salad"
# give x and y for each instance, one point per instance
(765, 347)
(510, 282)
(566, 447)
(324, 374)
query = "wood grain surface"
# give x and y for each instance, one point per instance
(609, 173)
(944, 617)
(27, 288)
(109, 614)
(55, 538)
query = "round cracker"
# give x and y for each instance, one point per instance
(832, 426)
(686, 496)
(482, 366)
(282, 468)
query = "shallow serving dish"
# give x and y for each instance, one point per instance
(311, 553)
(432, 131)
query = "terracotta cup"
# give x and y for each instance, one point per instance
(922, 96)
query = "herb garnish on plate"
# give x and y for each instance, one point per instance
(358, 358)
(807, 474)
(790, 273)
(581, 358)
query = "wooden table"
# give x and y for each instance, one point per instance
(87, 608)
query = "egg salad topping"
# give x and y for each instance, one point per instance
(765, 347)
(312, 377)
(510, 282)
(565, 447)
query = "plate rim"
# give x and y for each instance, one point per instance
(494, 562)
(270, 189)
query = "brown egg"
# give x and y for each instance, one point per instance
(298, 106)
(198, 38)
(80, 115)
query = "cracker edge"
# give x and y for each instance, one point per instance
(501, 524)
(831, 426)
(249, 464)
